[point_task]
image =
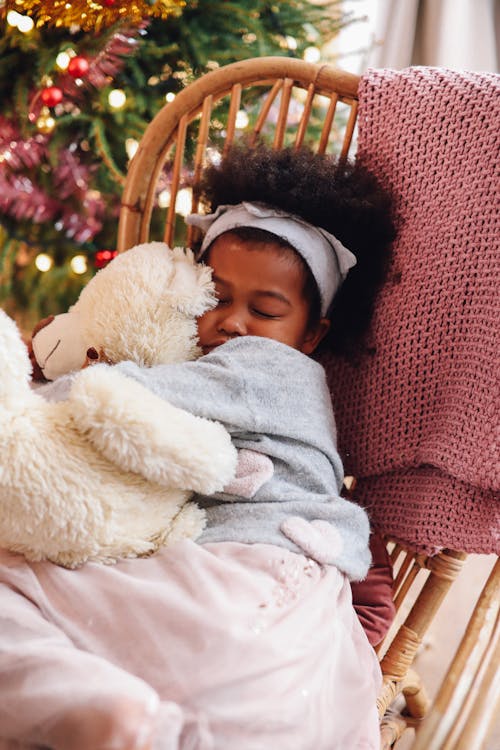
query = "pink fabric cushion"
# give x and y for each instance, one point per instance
(417, 420)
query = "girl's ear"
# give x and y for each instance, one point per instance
(315, 335)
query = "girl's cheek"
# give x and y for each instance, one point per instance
(204, 324)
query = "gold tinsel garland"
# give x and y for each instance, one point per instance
(91, 15)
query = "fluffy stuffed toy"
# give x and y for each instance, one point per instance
(108, 473)
(142, 307)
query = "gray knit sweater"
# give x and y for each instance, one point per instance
(273, 400)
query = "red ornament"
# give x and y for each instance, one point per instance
(51, 95)
(108, 3)
(102, 257)
(78, 67)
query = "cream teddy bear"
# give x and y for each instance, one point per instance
(108, 473)
(142, 307)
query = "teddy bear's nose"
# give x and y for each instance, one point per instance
(92, 353)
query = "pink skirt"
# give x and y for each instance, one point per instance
(224, 646)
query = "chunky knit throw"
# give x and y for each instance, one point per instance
(418, 421)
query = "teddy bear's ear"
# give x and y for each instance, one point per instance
(59, 347)
(191, 288)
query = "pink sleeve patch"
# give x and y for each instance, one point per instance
(318, 539)
(253, 470)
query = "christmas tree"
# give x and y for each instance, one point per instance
(79, 81)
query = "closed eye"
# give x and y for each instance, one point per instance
(263, 314)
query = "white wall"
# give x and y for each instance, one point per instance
(459, 34)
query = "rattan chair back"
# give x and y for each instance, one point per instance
(289, 102)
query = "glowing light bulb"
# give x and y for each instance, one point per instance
(62, 60)
(183, 203)
(131, 146)
(170, 96)
(25, 24)
(312, 54)
(13, 18)
(117, 98)
(241, 120)
(78, 264)
(291, 42)
(214, 156)
(43, 262)
(164, 199)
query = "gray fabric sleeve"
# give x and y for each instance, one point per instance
(205, 388)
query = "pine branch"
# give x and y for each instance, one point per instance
(99, 135)
(61, 190)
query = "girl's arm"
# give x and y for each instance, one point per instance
(56, 695)
(372, 598)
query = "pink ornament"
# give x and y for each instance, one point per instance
(78, 67)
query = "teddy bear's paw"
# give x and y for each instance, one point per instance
(187, 524)
(69, 559)
(142, 433)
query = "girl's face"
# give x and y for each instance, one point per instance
(260, 289)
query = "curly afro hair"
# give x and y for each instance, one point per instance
(340, 196)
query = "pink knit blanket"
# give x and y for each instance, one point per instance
(418, 421)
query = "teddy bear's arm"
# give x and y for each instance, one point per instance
(142, 433)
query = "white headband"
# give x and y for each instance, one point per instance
(314, 244)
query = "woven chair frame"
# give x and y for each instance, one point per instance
(165, 138)
(403, 700)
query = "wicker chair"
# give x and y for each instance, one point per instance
(202, 120)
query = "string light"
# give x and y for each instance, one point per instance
(62, 60)
(241, 120)
(43, 262)
(170, 96)
(164, 199)
(78, 264)
(312, 54)
(131, 146)
(184, 201)
(213, 156)
(25, 24)
(17, 21)
(117, 98)
(12, 18)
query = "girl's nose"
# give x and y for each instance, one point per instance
(232, 324)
